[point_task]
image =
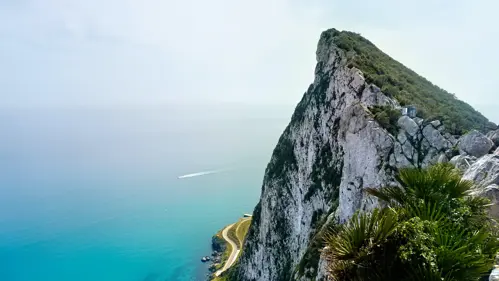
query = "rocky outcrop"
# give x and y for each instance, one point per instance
(408, 125)
(490, 192)
(218, 244)
(494, 137)
(420, 144)
(475, 144)
(443, 159)
(463, 162)
(332, 149)
(485, 171)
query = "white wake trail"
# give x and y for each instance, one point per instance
(200, 174)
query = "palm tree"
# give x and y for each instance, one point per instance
(430, 228)
(360, 248)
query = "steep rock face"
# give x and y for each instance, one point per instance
(332, 149)
(420, 144)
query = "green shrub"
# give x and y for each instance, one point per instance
(387, 117)
(405, 85)
(430, 229)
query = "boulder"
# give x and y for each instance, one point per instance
(490, 192)
(451, 138)
(418, 121)
(436, 123)
(408, 125)
(435, 138)
(462, 162)
(358, 80)
(494, 137)
(494, 275)
(475, 144)
(442, 158)
(485, 171)
(497, 151)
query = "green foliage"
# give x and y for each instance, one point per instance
(309, 263)
(218, 243)
(299, 112)
(430, 229)
(454, 150)
(324, 174)
(233, 236)
(405, 85)
(359, 249)
(236, 233)
(223, 245)
(310, 259)
(242, 230)
(283, 157)
(387, 117)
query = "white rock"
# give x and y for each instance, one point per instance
(485, 171)
(418, 121)
(365, 148)
(430, 158)
(492, 193)
(336, 124)
(494, 137)
(435, 138)
(401, 137)
(333, 130)
(321, 274)
(475, 144)
(358, 80)
(443, 158)
(409, 152)
(436, 123)
(408, 125)
(494, 275)
(450, 138)
(372, 95)
(462, 162)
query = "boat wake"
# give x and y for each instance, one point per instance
(201, 174)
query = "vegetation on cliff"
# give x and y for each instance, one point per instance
(236, 233)
(387, 117)
(406, 86)
(219, 244)
(430, 229)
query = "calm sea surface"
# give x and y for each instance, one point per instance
(93, 194)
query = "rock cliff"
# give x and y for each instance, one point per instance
(336, 145)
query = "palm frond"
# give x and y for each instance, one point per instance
(431, 228)
(351, 248)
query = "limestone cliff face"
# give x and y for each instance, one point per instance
(332, 149)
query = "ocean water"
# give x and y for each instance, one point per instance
(93, 194)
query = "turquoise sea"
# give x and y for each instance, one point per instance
(93, 194)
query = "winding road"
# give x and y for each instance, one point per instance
(235, 246)
(233, 255)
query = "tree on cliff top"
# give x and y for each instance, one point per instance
(430, 229)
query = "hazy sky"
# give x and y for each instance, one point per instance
(68, 53)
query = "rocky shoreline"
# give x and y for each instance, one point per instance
(218, 246)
